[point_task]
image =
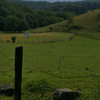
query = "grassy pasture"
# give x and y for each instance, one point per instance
(44, 63)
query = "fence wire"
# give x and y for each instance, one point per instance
(60, 76)
(59, 68)
(5, 66)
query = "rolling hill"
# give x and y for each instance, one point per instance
(87, 25)
(54, 0)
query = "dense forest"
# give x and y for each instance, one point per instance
(16, 15)
(79, 7)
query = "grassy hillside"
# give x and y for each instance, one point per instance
(87, 25)
(76, 62)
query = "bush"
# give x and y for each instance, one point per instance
(92, 10)
(50, 28)
(8, 41)
(13, 39)
(77, 27)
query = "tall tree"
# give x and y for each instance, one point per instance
(20, 14)
(2, 23)
(23, 25)
(3, 11)
(11, 23)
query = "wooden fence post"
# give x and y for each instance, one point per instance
(18, 72)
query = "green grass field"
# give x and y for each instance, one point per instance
(76, 62)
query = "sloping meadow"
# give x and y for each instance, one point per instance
(86, 25)
(47, 66)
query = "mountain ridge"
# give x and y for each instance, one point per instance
(54, 0)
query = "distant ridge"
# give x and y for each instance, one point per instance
(54, 0)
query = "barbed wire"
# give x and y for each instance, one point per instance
(86, 97)
(42, 71)
(59, 68)
(5, 64)
(3, 54)
(60, 76)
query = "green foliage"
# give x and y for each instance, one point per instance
(92, 10)
(70, 19)
(53, 12)
(14, 14)
(11, 23)
(8, 41)
(98, 17)
(29, 19)
(4, 11)
(64, 15)
(20, 14)
(75, 27)
(2, 23)
(99, 8)
(13, 39)
(49, 13)
(50, 28)
(27, 9)
(77, 7)
(23, 25)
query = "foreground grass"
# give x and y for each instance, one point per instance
(44, 63)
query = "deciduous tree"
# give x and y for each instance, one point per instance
(11, 23)
(2, 23)
(23, 25)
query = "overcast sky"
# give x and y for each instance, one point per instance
(52, 0)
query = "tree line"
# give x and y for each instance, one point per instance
(16, 17)
(78, 7)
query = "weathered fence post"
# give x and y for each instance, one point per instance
(18, 72)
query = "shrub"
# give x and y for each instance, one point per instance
(8, 41)
(13, 38)
(92, 10)
(50, 28)
(77, 27)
